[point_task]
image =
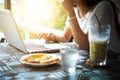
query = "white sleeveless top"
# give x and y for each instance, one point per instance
(105, 14)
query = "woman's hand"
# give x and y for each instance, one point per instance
(68, 6)
(49, 37)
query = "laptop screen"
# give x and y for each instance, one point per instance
(10, 30)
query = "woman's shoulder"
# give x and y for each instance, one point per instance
(104, 4)
(103, 7)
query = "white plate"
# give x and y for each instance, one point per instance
(38, 64)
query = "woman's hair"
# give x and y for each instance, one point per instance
(91, 3)
(87, 5)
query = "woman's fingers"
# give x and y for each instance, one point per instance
(48, 36)
(42, 35)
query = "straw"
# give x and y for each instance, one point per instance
(98, 22)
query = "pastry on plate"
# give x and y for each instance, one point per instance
(40, 58)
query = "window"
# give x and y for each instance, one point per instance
(1, 7)
(45, 13)
(1, 4)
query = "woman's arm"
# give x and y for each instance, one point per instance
(79, 37)
(65, 37)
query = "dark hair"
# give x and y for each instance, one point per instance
(88, 5)
(91, 3)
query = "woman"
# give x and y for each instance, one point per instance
(80, 16)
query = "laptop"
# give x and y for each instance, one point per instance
(13, 37)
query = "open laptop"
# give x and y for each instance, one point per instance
(13, 37)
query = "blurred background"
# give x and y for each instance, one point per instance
(39, 15)
(35, 16)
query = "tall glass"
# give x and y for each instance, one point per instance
(99, 39)
(69, 57)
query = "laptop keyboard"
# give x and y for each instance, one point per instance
(36, 47)
(34, 43)
(47, 48)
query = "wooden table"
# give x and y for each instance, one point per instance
(12, 69)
